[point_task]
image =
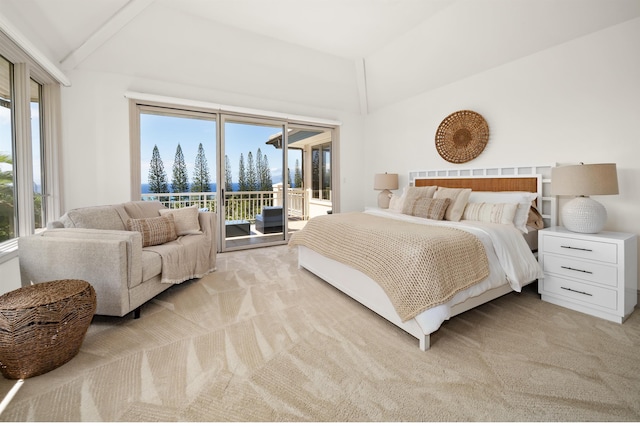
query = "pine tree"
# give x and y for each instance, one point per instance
(252, 179)
(259, 171)
(7, 219)
(242, 175)
(268, 183)
(297, 176)
(228, 178)
(157, 175)
(201, 178)
(180, 181)
(263, 172)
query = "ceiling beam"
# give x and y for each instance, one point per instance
(17, 43)
(114, 24)
(361, 79)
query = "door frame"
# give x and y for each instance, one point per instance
(138, 101)
(220, 196)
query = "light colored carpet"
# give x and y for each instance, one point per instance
(261, 340)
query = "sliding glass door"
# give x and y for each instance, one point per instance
(263, 178)
(255, 206)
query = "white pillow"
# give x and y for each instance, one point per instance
(397, 202)
(186, 220)
(522, 198)
(497, 213)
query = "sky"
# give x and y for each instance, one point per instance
(240, 138)
(5, 134)
(6, 141)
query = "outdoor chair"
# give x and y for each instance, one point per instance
(270, 220)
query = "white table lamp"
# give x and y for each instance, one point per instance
(583, 214)
(385, 182)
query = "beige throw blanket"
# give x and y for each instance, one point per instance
(418, 266)
(188, 257)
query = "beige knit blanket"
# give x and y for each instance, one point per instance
(188, 257)
(418, 266)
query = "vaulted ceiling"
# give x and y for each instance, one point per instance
(352, 55)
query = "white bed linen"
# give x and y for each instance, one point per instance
(510, 261)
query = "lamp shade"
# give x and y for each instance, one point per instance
(385, 181)
(583, 214)
(584, 180)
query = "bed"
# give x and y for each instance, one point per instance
(510, 258)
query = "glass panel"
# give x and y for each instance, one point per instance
(321, 172)
(254, 208)
(178, 158)
(37, 154)
(315, 173)
(7, 185)
(326, 172)
(295, 193)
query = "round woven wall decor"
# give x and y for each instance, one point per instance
(462, 136)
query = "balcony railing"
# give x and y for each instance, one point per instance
(243, 205)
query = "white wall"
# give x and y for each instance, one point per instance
(576, 102)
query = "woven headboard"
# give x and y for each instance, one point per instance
(533, 179)
(529, 184)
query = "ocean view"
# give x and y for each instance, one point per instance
(144, 188)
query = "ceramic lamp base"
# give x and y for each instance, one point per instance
(383, 199)
(584, 215)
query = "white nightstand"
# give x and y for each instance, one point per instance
(592, 273)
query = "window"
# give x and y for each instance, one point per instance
(29, 126)
(178, 156)
(8, 218)
(37, 155)
(321, 171)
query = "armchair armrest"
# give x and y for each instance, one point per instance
(109, 260)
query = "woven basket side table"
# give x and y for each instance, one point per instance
(42, 326)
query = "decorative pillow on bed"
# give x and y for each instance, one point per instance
(535, 220)
(397, 204)
(522, 198)
(498, 213)
(426, 207)
(186, 220)
(155, 231)
(458, 196)
(417, 192)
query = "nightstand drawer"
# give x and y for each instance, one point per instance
(580, 269)
(586, 249)
(592, 295)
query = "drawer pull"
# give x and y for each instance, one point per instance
(575, 269)
(576, 249)
(573, 290)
